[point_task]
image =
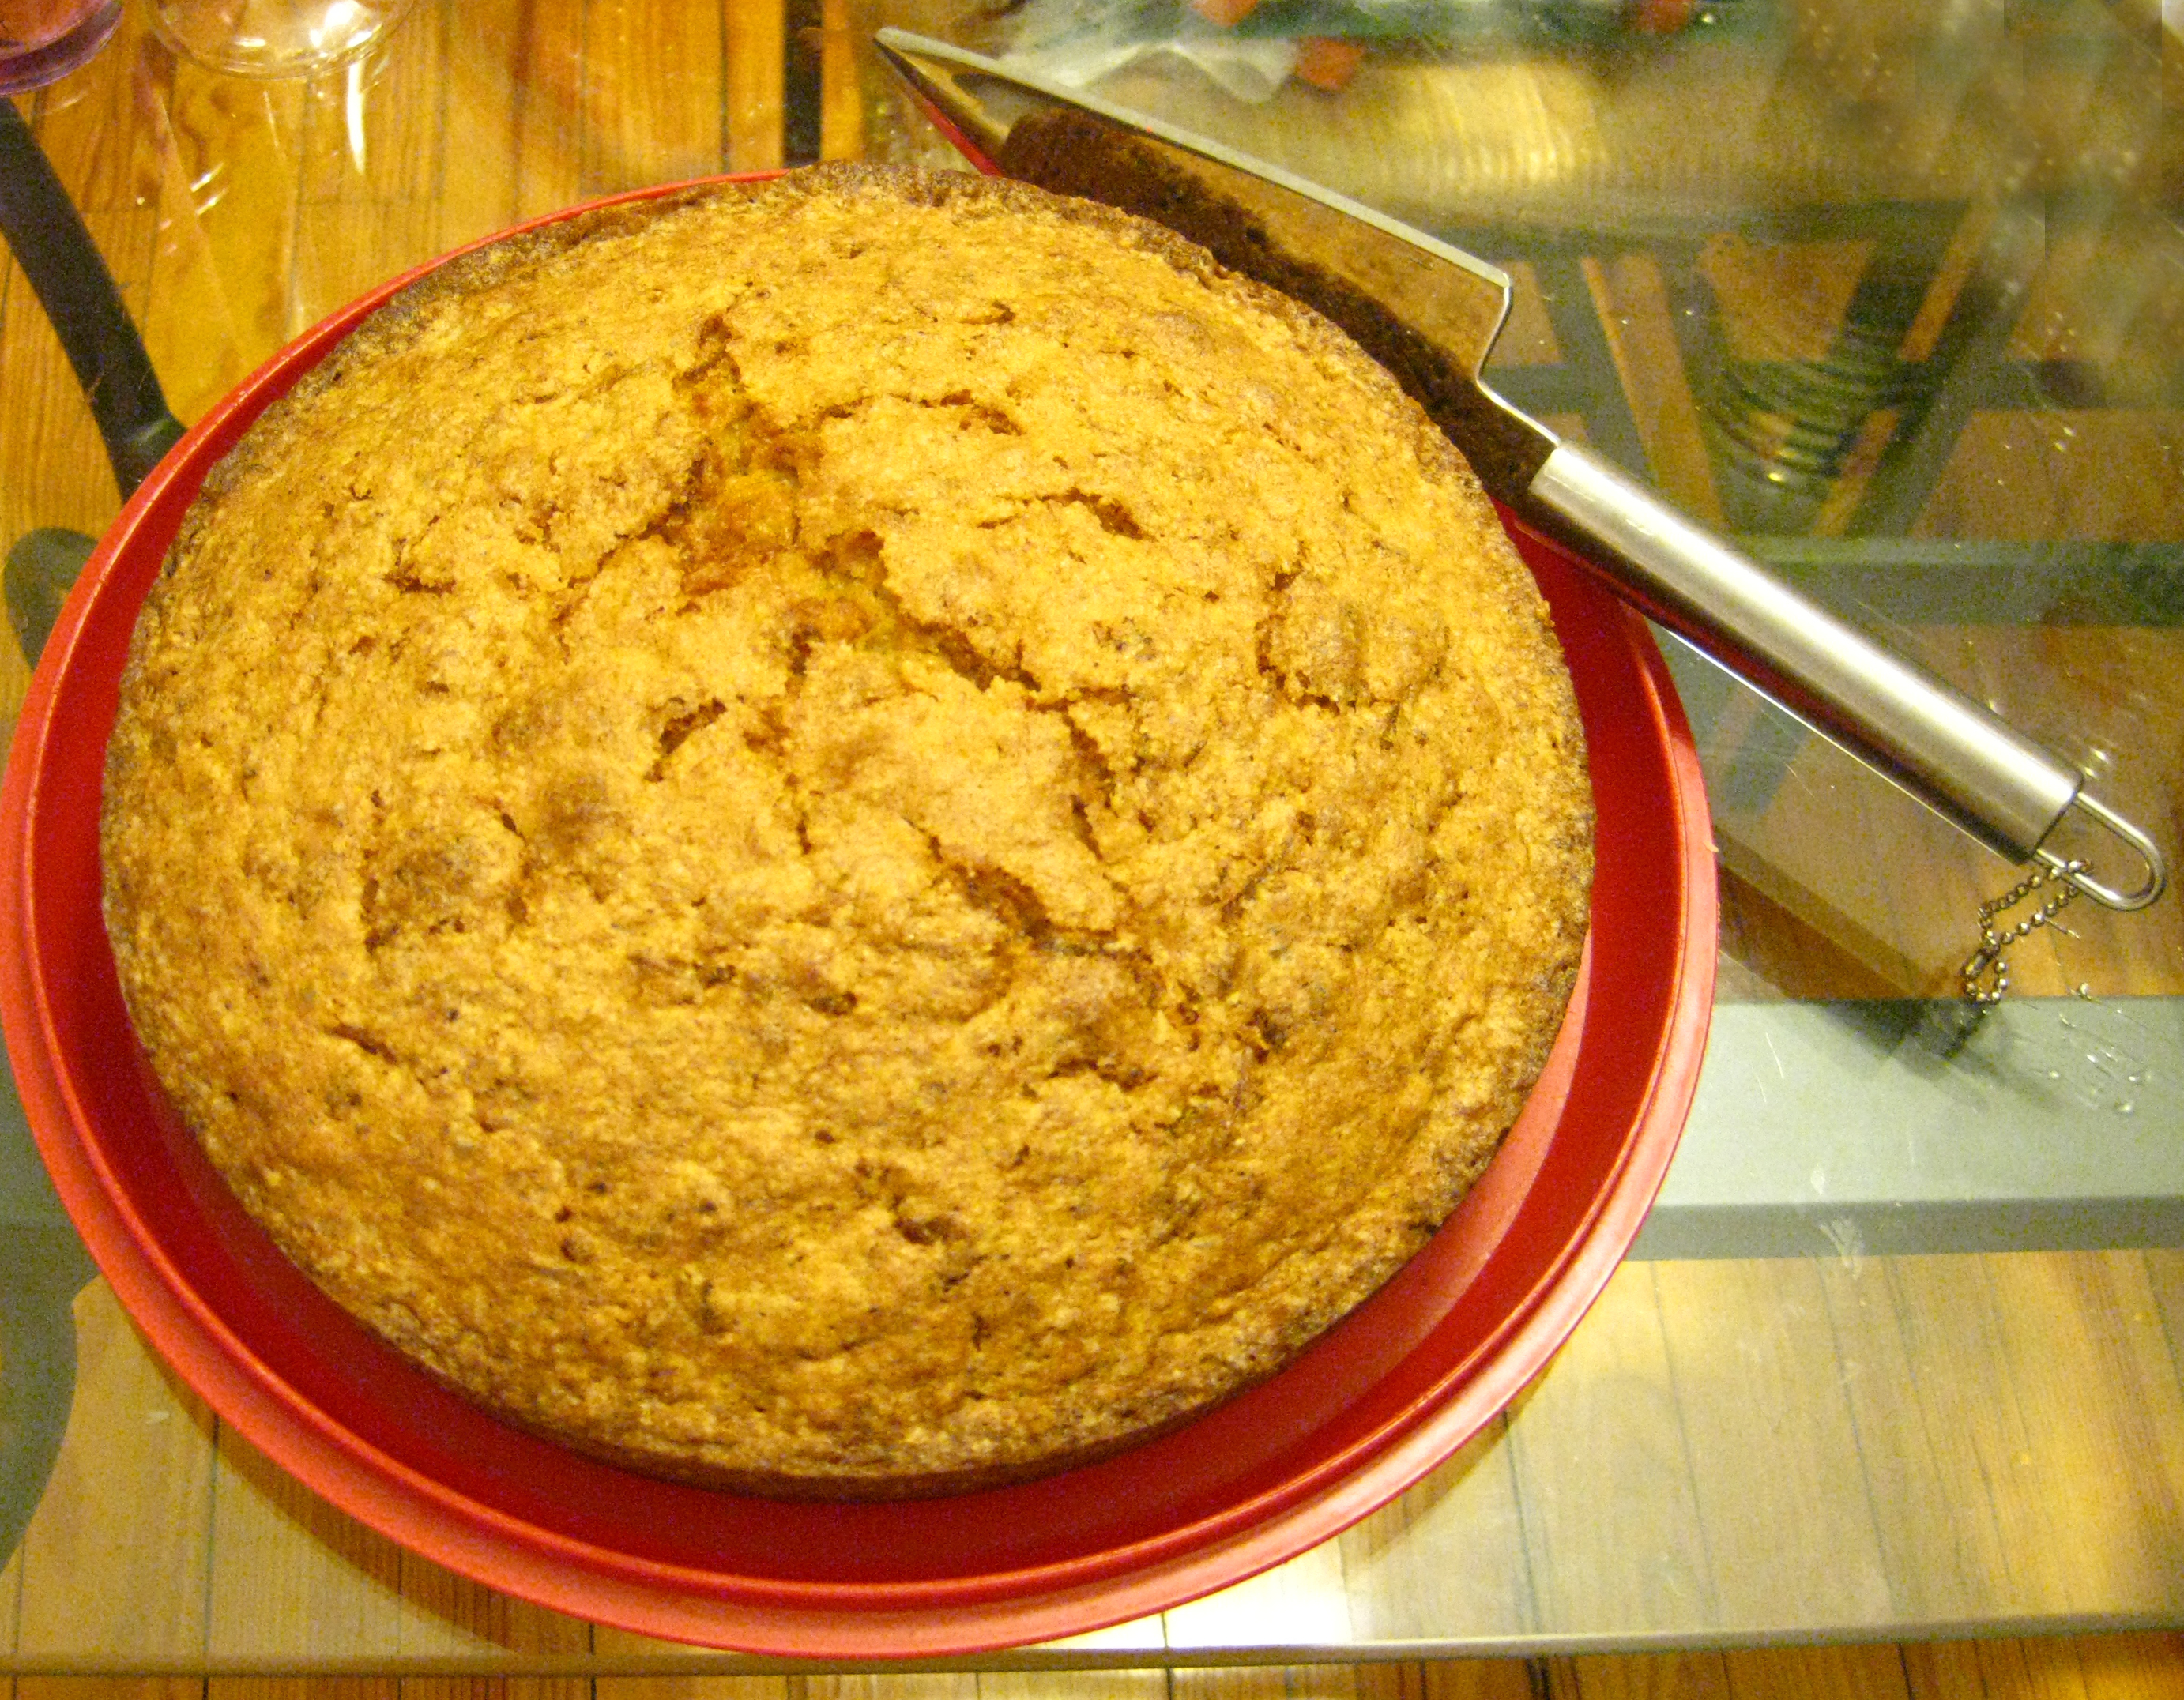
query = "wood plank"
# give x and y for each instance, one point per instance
(1958, 261)
(295, 1580)
(371, 129)
(199, 345)
(546, 52)
(1769, 954)
(87, 121)
(694, 1687)
(2100, 1493)
(1302, 1603)
(1481, 1678)
(1289, 1682)
(652, 95)
(1447, 1557)
(2111, 474)
(484, 97)
(1632, 301)
(609, 1643)
(496, 1688)
(2114, 1667)
(1782, 300)
(1694, 1676)
(126, 1586)
(1789, 1529)
(343, 250)
(452, 1616)
(238, 145)
(757, 73)
(2164, 1276)
(1920, 1356)
(109, 1688)
(1966, 1670)
(2020, 1422)
(57, 470)
(303, 1688)
(1248, 1682)
(940, 1685)
(370, 171)
(1083, 1685)
(1401, 1679)
(11, 1598)
(1817, 1673)
(2092, 284)
(1861, 460)
(1135, 1634)
(842, 31)
(16, 518)
(1613, 1534)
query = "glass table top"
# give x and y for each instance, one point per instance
(1892, 294)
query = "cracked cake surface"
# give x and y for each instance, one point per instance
(855, 836)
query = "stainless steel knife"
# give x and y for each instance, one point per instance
(1430, 313)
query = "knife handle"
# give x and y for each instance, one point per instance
(1932, 740)
(42, 228)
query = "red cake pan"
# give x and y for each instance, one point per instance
(1376, 1405)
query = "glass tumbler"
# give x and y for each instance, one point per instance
(273, 38)
(40, 39)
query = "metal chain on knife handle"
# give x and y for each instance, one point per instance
(1987, 971)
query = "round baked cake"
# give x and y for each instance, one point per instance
(862, 835)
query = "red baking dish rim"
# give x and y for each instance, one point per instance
(1638, 1025)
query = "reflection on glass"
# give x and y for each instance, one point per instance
(274, 38)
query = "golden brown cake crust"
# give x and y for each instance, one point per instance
(857, 836)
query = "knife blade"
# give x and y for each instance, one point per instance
(1430, 313)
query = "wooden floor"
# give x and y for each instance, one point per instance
(2113, 1667)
